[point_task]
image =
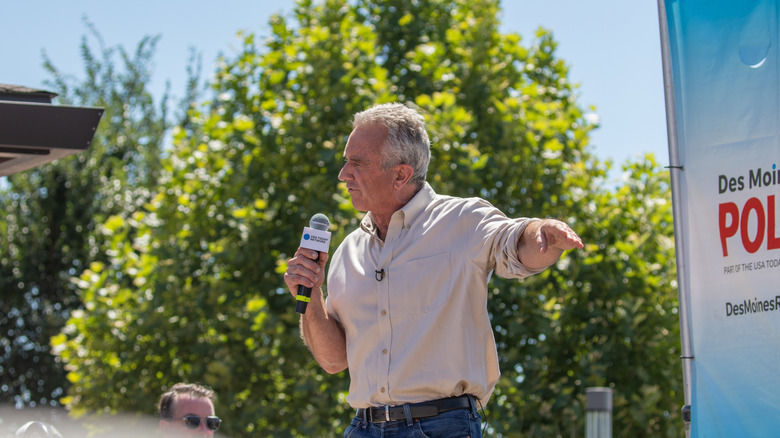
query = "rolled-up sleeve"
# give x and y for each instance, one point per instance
(493, 241)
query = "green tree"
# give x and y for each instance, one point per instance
(604, 316)
(192, 282)
(192, 279)
(49, 214)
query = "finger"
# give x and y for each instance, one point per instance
(543, 240)
(301, 271)
(571, 237)
(293, 280)
(566, 238)
(308, 259)
(308, 253)
(323, 260)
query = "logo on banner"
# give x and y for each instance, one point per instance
(734, 219)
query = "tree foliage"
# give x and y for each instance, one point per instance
(189, 287)
(50, 213)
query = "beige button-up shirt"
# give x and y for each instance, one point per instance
(414, 307)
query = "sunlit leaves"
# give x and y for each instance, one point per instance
(192, 279)
(51, 214)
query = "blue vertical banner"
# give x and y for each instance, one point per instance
(725, 74)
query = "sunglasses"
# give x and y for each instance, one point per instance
(193, 422)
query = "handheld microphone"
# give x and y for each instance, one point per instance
(317, 237)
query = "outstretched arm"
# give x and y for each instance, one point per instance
(543, 241)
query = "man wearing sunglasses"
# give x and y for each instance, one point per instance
(187, 410)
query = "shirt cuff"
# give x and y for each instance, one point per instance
(515, 267)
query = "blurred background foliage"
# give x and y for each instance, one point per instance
(156, 256)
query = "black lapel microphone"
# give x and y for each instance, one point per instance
(317, 237)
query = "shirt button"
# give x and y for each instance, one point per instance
(382, 390)
(384, 312)
(384, 351)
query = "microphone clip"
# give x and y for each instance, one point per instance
(379, 275)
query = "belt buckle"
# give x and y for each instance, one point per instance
(387, 413)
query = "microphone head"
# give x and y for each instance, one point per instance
(319, 222)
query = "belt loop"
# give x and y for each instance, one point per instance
(408, 413)
(473, 403)
(387, 413)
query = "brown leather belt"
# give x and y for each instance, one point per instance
(383, 414)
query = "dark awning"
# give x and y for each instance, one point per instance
(34, 132)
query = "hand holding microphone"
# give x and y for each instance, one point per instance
(316, 237)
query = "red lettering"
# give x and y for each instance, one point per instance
(726, 231)
(752, 246)
(773, 241)
(730, 221)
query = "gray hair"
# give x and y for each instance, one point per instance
(407, 141)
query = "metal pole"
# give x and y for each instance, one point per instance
(675, 170)
(598, 404)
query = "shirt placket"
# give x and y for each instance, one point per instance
(383, 288)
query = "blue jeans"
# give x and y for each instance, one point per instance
(458, 423)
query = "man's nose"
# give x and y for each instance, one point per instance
(343, 173)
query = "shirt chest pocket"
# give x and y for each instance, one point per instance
(425, 283)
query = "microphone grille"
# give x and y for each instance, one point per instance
(319, 222)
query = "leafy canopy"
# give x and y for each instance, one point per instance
(188, 283)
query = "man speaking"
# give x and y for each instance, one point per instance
(406, 310)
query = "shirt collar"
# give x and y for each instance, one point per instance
(407, 213)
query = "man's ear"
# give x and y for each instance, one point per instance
(403, 175)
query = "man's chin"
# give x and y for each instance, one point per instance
(356, 204)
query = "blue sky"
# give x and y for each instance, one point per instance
(611, 46)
